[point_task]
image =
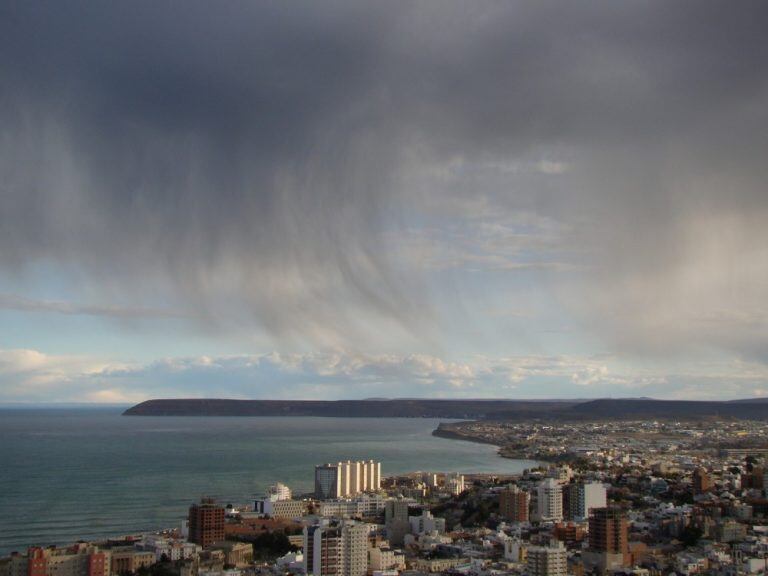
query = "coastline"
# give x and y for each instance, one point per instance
(458, 431)
(441, 432)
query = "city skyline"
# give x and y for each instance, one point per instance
(357, 200)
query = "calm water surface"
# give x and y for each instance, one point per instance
(67, 474)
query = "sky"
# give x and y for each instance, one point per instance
(524, 199)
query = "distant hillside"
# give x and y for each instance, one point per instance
(397, 408)
(643, 408)
(471, 409)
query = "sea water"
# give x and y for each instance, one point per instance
(86, 473)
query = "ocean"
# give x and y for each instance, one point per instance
(86, 473)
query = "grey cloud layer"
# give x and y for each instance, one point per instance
(12, 302)
(255, 160)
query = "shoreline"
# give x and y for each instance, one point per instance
(442, 431)
(453, 435)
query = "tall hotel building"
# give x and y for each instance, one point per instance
(347, 479)
(206, 522)
(608, 530)
(550, 501)
(580, 498)
(514, 504)
(608, 540)
(336, 550)
(454, 483)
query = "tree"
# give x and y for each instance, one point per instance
(271, 545)
(691, 536)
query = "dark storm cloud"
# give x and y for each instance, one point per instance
(220, 152)
(247, 158)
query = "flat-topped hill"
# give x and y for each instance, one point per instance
(397, 408)
(496, 409)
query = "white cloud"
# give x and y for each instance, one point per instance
(29, 375)
(32, 375)
(113, 396)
